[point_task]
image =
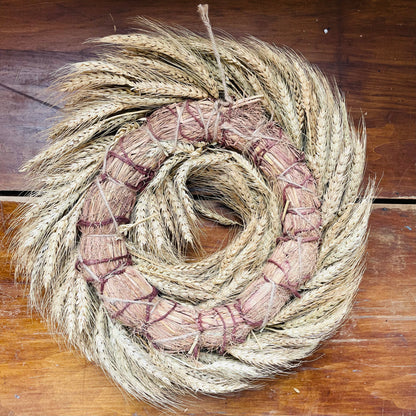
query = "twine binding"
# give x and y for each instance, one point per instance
(279, 162)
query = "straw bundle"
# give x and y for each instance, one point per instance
(162, 122)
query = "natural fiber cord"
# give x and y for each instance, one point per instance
(161, 124)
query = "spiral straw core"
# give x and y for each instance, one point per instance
(106, 262)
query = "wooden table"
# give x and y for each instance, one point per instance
(369, 367)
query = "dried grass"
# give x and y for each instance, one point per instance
(155, 348)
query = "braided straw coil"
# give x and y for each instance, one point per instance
(146, 141)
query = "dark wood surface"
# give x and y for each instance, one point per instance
(369, 367)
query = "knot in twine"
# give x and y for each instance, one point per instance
(154, 131)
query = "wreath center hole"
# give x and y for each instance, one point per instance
(214, 235)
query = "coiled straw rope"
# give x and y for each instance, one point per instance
(160, 123)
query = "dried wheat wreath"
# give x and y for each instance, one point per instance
(160, 122)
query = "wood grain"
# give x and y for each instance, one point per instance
(368, 368)
(368, 49)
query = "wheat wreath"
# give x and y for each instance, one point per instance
(160, 124)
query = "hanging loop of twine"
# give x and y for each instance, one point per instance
(203, 12)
